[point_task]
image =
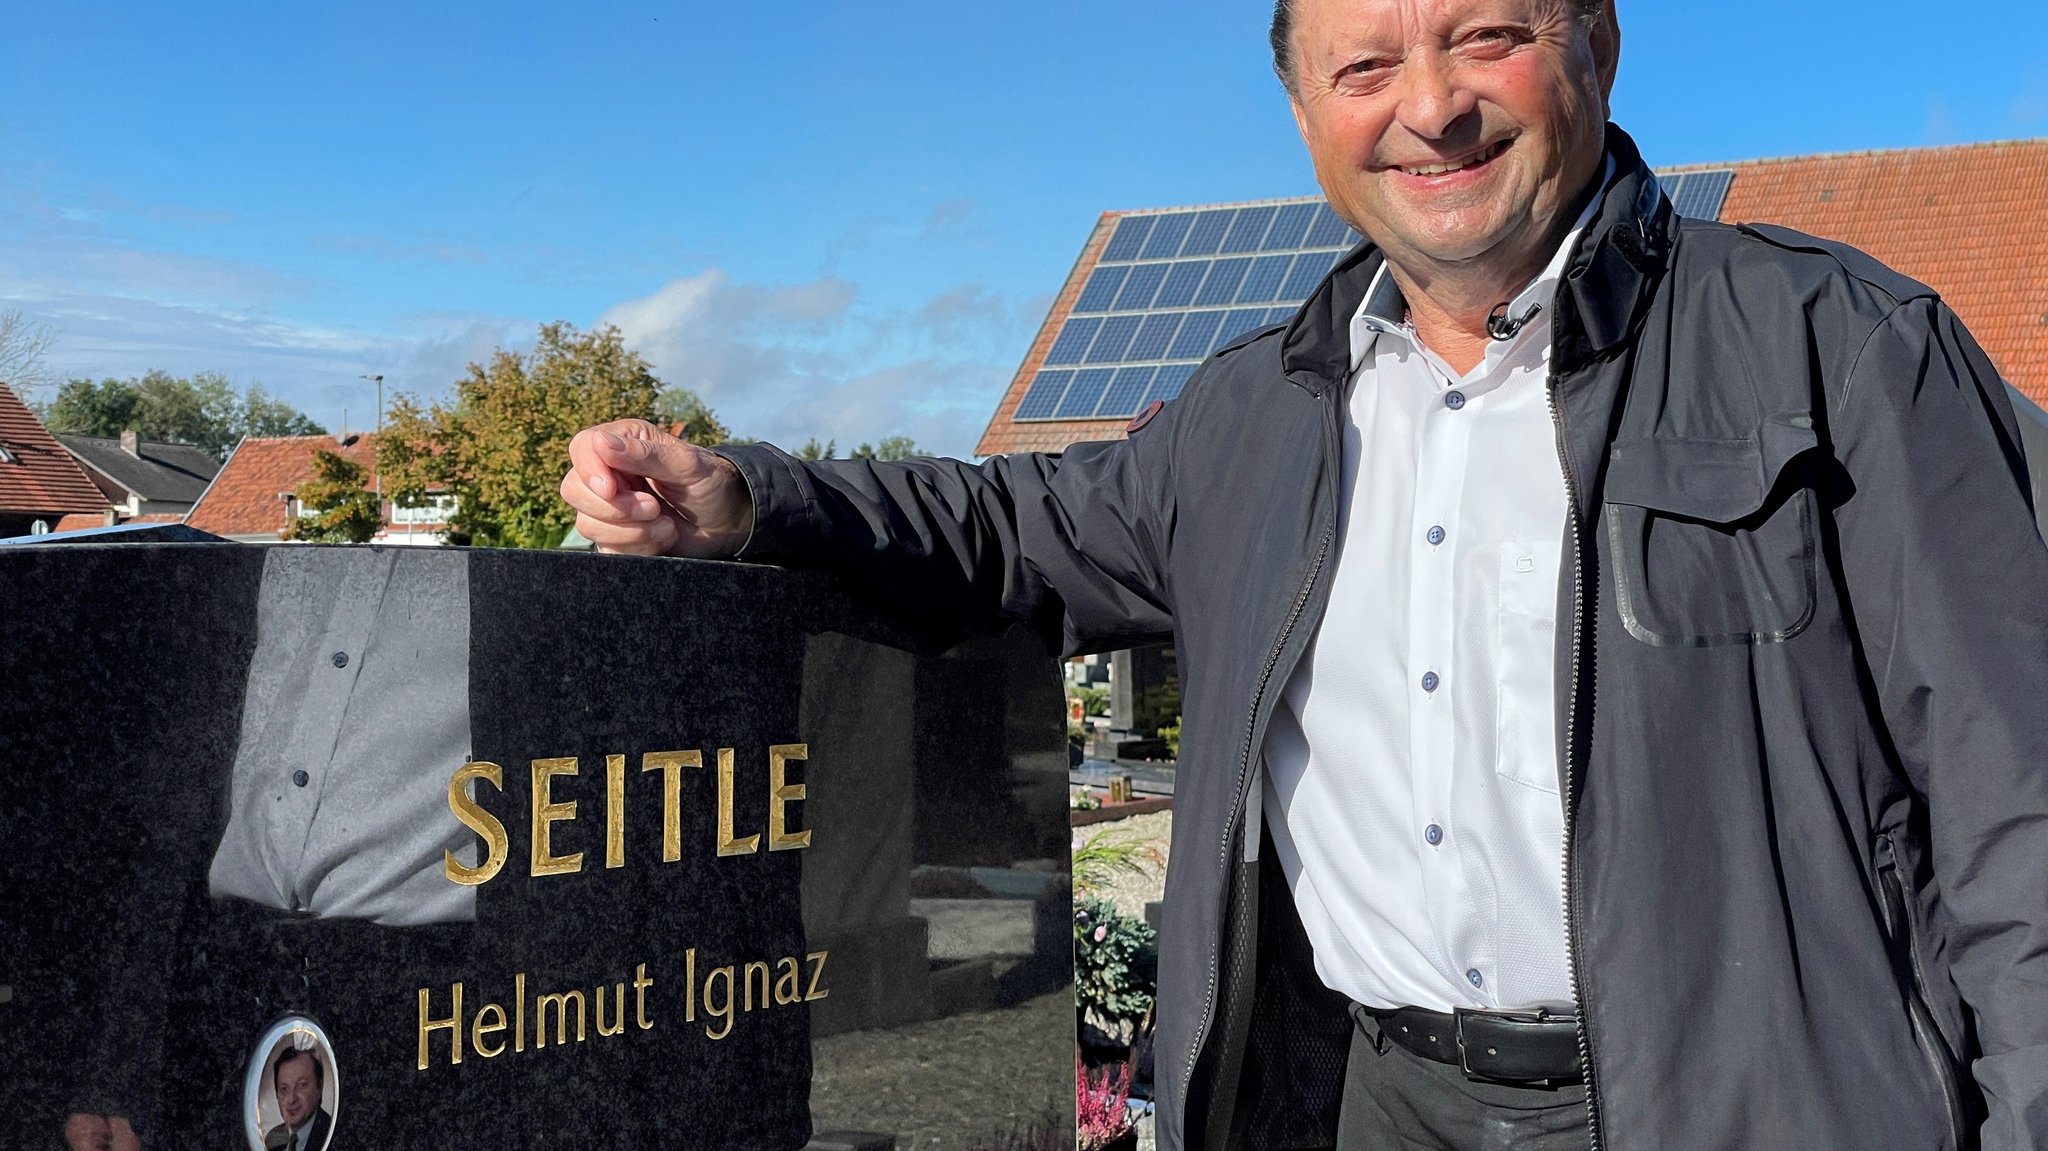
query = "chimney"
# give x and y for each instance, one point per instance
(131, 443)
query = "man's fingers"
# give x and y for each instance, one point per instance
(638, 489)
(644, 539)
(590, 460)
(634, 505)
(659, 457)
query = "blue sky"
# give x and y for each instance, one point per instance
(836, 220)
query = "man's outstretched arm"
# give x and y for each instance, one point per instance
(1074, 544)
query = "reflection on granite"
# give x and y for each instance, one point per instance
(645, 968)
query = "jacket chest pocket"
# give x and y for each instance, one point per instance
(1711, 545)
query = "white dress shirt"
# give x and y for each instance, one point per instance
(355, 717)
(1412, 782)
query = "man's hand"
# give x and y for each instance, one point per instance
(640, 491)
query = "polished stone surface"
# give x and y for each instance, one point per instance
(933, 886)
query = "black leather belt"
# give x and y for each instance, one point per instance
(1527, 1048)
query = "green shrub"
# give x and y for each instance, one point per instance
(1094, 700)
(1116, 965)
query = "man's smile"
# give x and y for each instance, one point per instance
(1477, 159)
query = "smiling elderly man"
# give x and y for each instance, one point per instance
(1611, 644)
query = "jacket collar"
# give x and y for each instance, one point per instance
(1620, 258)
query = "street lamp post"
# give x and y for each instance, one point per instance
(376, 473)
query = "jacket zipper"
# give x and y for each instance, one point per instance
(1933, 1044)
(1301, 599)
(1571, 755)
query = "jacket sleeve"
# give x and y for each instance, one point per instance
(1948, 580)
(1074, 545)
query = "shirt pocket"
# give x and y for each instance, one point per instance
(1712, 541)
(1525, 731)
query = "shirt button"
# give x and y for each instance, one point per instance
(1436, 536)
(341, 659)
(300, 778)
(1477, 980)
(1433, 834)
(1430, 681)
(1454, 400)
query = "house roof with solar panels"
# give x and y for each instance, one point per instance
(1156, 291)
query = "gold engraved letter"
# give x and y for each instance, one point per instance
(546, 813)
(690, 982)
(727, 845)
(615, 811)
(747, 982)
(670, 764)
(478, 1029)
(781, 795)
(788, 982)
(721, 1007)
(640, 985)
(817, 959)
(519, 1012)
(475, 818)
(560, 1003)
(618, 1016)
(453, 1023)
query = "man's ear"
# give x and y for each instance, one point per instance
(1606, 43)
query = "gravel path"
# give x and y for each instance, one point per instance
(950, 1084)
(957, 1084)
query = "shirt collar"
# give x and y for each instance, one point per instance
(1384, 309)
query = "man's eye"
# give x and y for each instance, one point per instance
(1364, 70)
(1493, 39)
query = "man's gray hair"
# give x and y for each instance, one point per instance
(1282, 34)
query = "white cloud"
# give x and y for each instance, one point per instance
(312, 366)
(789, 363)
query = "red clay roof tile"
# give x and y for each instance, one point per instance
(1963, 220)
(243, 498)
(37, 475)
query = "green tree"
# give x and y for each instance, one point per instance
(680, 405)
(265, 415)
(813, 450)
(86, 408)
(501, 446)
(344, 510)
(204, 410)
(891, 448)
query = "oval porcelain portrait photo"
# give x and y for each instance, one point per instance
(291, 1093)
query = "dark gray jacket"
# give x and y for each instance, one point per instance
(1803, 742)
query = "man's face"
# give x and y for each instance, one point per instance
(1454, 132)
(297, 1091)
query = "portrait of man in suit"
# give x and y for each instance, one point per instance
(300, 1079)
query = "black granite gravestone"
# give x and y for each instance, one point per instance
(388, 848)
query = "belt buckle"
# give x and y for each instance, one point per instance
(1458, 1016)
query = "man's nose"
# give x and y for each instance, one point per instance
(1433, 98)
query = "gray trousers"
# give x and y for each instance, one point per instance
(1398, 1101)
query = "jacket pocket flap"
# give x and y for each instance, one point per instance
(1715, 481)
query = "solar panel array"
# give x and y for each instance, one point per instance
(1699, 195)
(1172, 287)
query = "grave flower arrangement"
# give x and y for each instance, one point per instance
(1104, 1122)
(1116, 966)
